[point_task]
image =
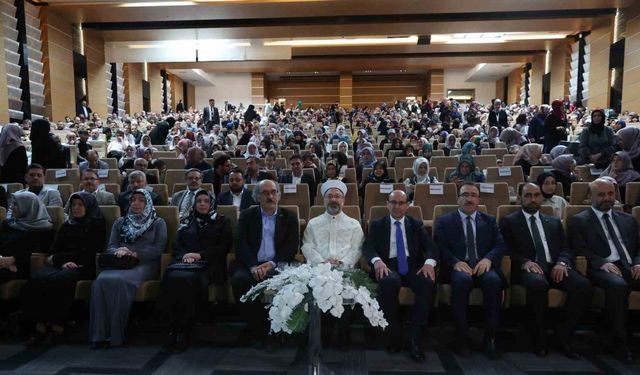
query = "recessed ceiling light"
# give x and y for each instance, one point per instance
(342, 41)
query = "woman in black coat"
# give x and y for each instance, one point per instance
(555, 126)
(44, 149)
(13, 155)
(48, 296)
(202, 242)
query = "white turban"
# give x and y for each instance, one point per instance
(333, 184)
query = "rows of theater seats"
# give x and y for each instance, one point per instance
(148, 291)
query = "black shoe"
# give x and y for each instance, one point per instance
(623, 354)
(100, 345)
(416, 351)
(490, 349)
(394, 345)
(567, 350)
(182, 342)
(170, 344)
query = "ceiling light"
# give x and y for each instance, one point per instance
(481, 38)
(202, 43)
(413, 39)
(156, 4)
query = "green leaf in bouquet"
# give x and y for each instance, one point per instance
(299, 319)
(360, 278)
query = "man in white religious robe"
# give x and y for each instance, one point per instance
(333, 237)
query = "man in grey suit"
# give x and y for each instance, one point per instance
(35, 184)
(184, 199)
(93, 161)
(210, 116)
(90, 184)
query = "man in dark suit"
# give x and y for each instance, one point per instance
(84, 109)
(609, 240)
(471, 249)
(237, 195)
(402, 254)
(137, 180)
(498, 116)
(140, 164)
(297, 177)
(265, 236)
(210, 116)
(219, 174)
(180, 106)
(540, 259)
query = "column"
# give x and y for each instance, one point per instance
(599, 80)
(346, 90)
(258, 90)
(132, 87)
(96, 73)
(436, 81)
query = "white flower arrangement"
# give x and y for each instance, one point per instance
(330, 288)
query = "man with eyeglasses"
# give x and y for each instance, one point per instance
(90, 184)
(266, 235)
(472, 247)
(184, 199)
(402, 254)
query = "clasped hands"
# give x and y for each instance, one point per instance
(123, 251)
(261, 271)
(382, 270)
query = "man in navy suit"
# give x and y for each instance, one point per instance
(237, 195)
(540, 259)
(210, 116)
(298, 177)
(609, 240)
(471, 249)
(402, 254)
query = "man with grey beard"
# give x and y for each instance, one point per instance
(333, 237)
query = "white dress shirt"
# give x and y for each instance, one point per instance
(393, 249)
(237, 198)
(296, 180)
(333, 237)
(614, 256)
(527, 217)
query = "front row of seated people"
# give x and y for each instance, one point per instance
(468, 247)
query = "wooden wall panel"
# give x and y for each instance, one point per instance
(535, 79)
(155, 83)
(313, 91)
(96, 73)
(436, 80)
(515, 84)
(346, 90)
(258, 90)
(177, 90)
(133, 88)
(560, 67)
(500, 93)
(599, 85)
(191, 96)
(4, 94)
(631, 78)
(57, 50)
(372, 91)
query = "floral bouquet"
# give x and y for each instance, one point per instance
(329, 288)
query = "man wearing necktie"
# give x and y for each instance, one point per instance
(609, 241)
(184, 199)
(402, 254)
(210, 116)
(471, 248)
(540, 259)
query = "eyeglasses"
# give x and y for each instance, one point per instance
(470, 195)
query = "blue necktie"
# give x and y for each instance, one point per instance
(403, 267)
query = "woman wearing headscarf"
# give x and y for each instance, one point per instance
(48, 296)
(332, 172)
(426, 150)
(396, 145)
(622, 171)
(547, 182)
(558, 150)
(204, 239)
(563, 170)
(380, 174)
(27, 229)
(597, 142)
(493, 136)
(252, 151)
(528, 156)
(159, 133)
(140, 234)
(231, 140)
(343, 147)
(13, 155)
(555, 126)
(629, 141)
(367, 160)
(250, 114)
(183, 146)
(468, 149)
(341, 135)
(450, 144)
(299, 137)
(512, 137)
(465, 172)
(44, 149)
(420, 176)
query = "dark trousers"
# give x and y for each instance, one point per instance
(252, 312)
(579, 292)
(461, 285)
(388, 288)
(181, 294)
(617, 290)
(50, 293)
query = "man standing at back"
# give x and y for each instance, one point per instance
(402, 254)
(210, 116)
(472, 248)
(609, 240)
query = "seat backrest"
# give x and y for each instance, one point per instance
(62, 176)
(174, 163)
(440, 209)
(492, 199)
(296, 211)
(495, 174)
(501, 145)
(350, 175)
(111, 214)
(437, 153)
(537, 171)
(65, 192)
(231, 212)
(113, 176)
(12, 187)
(392, 173)
(584, 171)
(636, 214)
(162, 154)
(174, 176)
(455, 152)
(573, 209)
(427, 197)
(300, 199)
(632, 193)
(351, 198)
(498, 152)
(162, 191)
(403, 162)
(579, 193)
(559, 192)
(287, 154)
(393, 154)
(181, 186)
(505, 210)
(3, 214)
(113, 189)
(408, 173)
(484, 161)
(240, 163)
(373, 196)
(508, 160)
(443, 162)
(57, 216)
(111, 162)
(170, 216)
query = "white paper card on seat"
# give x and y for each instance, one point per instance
(103, 173)
(596, 171)
(504, 171)
(51, 186)
(386, 188)
(487, 188)
(436, 189)
(290, 188)
(61, 173)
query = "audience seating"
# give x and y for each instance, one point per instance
(350, 175)
(174, 176)
(442, 209)
(351, 198)
(164, 154)
(499, 197)
(437, 153)
(153, 172)
(225, 187)
(71, 176)
(516, 176)
(584, 171)
(353, 211)
(3, 214)
(300, 198)
(403, 162)
(538, 170)
(442, 162)
(484, 161)
(505, 210)
(12, 187)
(373, 196)
(174, 163)
(508, 160)
(423, 198)
(455, 152)
(65, 192)
(181, 186)
(376, 212)
(240, 163)
(559, 191)
(114, 176)
(580, 193)
(111, 162)
(162, 191)
(224, 293)
(498, 152)
(632, 193)
(391, 172)
(408, 173)
(99, 146)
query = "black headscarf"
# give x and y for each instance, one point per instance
(201, 220)
(92, 210)
(597, 128)
(540, 181)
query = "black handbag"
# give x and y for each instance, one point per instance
(124, 262)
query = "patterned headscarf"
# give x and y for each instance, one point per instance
(135, 225)
(200, 219)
